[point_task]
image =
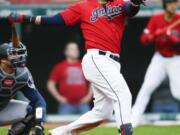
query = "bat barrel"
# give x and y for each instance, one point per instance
(15, 37)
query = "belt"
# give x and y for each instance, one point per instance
(114, 57)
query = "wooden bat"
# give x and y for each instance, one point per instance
(166, 29)
(15, 37)
(176, 23)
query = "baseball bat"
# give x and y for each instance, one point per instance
(15, 37)
(176, 23)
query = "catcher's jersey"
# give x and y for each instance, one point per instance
(11, 83)
(102, 27)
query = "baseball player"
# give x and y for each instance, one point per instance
(102, 23)
(14, 77)
(163, 30)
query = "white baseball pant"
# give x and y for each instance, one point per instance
(110, 93)
(159, 68)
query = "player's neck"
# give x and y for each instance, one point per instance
(71, 61)
(168, 16)
(7, 69)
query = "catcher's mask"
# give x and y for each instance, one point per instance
(17, 56)
(165, 2)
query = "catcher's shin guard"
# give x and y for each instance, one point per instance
(23, 127)
(17, 129)
(126, 129)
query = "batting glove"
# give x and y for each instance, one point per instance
(15, 18)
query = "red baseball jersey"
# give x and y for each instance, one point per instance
(70, 81)
(102, 29)
(168, 42)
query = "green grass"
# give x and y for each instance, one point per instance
(143, 130)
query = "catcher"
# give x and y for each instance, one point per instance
(14, 77)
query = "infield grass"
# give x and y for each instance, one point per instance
(143, 130)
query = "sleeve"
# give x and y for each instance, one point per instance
(55, 73)
(56, 19)
(147, 36)
(151, 27)
(72, 15)
(37, 102)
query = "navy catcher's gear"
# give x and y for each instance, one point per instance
(17, 129)
(126, 129)
(23, 127)
(22, 81)
(17, 55)
(10, 84)
(165, 2)
(20, 110)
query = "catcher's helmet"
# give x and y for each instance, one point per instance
(167, 1)
(3, 50)
(17, 56)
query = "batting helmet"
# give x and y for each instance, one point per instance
(167, 1)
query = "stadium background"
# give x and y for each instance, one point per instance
(46, 43)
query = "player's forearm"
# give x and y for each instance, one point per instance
(131, 9)
(55, 94)
(51, 86)
(37, 102)
(56, 19)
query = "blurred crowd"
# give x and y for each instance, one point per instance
(68, 85)
(52, 1)
(37, 1)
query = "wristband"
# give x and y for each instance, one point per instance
(29, 19)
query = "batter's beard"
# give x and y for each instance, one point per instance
(170, 13)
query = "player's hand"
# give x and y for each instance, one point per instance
(147, 39)
(62, 100)
(85, 100)
(138, 2)
(38, 130)
(15, 18)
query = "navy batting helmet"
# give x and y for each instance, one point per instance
(167, 1)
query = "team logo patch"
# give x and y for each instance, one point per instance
(8, 82)
(110, 12)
